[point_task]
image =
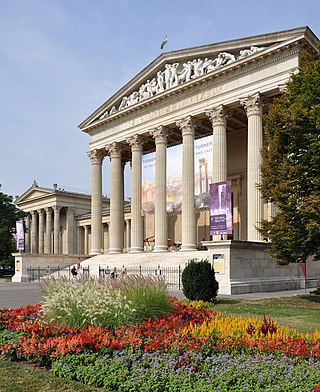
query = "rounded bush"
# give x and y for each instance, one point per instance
(198, 281)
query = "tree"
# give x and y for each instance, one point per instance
(9, 214)
(291, 167)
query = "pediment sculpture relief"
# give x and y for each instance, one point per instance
(172, 76)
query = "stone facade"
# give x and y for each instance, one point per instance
(221, 90)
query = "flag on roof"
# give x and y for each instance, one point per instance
(165, 40)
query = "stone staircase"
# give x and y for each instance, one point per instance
(145, 259)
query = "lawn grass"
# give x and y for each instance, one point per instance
(19, 377)
(300, 312)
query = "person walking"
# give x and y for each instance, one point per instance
(78, 264)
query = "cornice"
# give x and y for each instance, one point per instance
(231, 71)
(232, 46)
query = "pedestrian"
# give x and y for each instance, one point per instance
(78, 263)
(74, 271)
(114, 273)
(124, 271)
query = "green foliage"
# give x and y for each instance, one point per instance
(291, 167)
(10, 338)
(198, 281)
(9, 214)
(172, 372)
(105, 302)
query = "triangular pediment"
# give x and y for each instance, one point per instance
(34, 193)
(174, 69)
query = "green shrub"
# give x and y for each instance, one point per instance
(105, 302)
(198, 281)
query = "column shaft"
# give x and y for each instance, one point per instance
(41, 230)
(253, 107)
(128, 234)
(116, 200)
(187, 127)
(34, 232)
(56, 230)
(96, 157)
(79, 242)
(136, 217)
(48, 247)
(27, 234)
(218, 117)
(70, 231)
(161, 218)
(86, 240)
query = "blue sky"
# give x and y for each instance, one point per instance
(61, 59)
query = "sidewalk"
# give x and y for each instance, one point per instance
(14, 295)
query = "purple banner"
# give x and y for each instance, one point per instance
(220, 208)
(20, 235)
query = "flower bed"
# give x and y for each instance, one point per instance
(193, 347)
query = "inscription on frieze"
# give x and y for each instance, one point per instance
(175, 106)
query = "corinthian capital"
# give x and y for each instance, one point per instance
(135, 142)
(114, 150)
(218, 115)
(96, 156)
(253, 104)
(188, 125)
(160, 134)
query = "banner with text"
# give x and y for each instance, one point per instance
(20, 235)
(220, 208)
(202, 175)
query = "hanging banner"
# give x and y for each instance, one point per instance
(20, 235)
(303, 267)
(202, 176)
(220, 208)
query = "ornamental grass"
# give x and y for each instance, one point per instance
(104, 302)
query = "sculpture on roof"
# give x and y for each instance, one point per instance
(171, 76)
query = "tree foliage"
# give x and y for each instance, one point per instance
(9, 214)
(291, 167)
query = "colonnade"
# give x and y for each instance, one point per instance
(44, 231)
(218, 117)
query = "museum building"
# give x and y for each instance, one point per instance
(205, 105)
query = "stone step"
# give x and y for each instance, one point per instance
(146, 259)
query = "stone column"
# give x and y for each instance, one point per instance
(160, 135)
(272, 211)
(116, 199)
(187, 127)
(107, 243)
(96, 157)
(79, 242)
(218, 119)
(34, 232)
(253, 108)
(41, 230)
(136, 183)
(86, 238)
(48, 246)
(128, 234)
(236, 212)
(27, 234)
(219, 144)
(56, 229)
(70, 230)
